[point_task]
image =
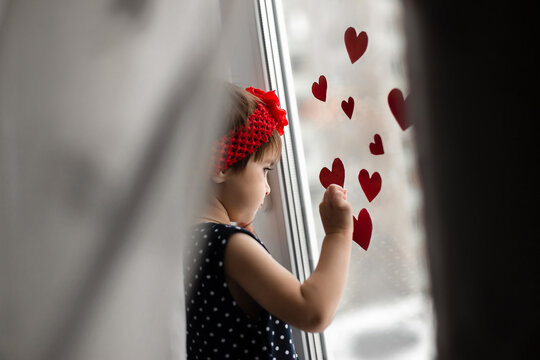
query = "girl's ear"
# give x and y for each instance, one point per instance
(219, 178)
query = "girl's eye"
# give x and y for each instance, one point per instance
(267, 169)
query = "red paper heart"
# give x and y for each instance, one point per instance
(348, 107)
(376, 147)
(398, 107)
(336, 176)
(370, 185)
(356, 45)
(319, 89)
(362, 229)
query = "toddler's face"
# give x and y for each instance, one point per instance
(244, 191)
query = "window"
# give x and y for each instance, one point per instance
(386, 308)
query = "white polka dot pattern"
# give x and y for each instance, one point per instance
(216, 326)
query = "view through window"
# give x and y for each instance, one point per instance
(386, 309)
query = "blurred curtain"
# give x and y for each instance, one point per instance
(106, 111)
(473, 69)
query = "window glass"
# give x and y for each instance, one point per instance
(386, 308)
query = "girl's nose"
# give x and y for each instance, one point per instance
(267, 188)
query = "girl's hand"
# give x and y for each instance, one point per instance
(335, 211)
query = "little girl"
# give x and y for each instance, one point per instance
(240, 302)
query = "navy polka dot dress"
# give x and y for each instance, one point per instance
(216, 327)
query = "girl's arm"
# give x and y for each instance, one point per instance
(309, 306)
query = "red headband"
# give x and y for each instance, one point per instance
(244, 141)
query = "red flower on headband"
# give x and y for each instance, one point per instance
(271, 101)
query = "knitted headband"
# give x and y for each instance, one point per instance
(245, 140)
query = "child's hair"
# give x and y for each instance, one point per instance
(242, 105)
